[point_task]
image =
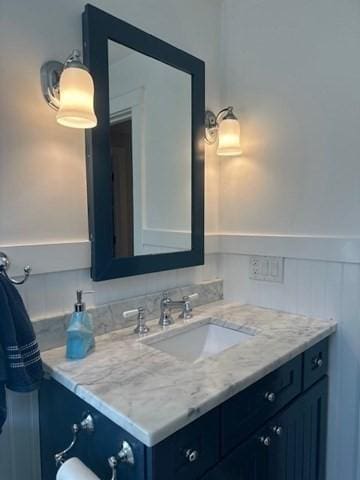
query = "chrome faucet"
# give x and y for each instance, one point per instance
(141, 327)
(167, 305)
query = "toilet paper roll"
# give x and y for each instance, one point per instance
(74, 469)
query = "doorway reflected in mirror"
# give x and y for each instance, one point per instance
(150, 137)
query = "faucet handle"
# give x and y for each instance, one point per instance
(191, 297)
(141, 327)
(131, 313)
(187, 308)
(165, 295)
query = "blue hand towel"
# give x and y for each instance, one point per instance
(21, 353)
(17, 339)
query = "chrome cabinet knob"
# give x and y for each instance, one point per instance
(317, 362)
(278, 430)
(266, 441)
(192, 455)
(270, 396)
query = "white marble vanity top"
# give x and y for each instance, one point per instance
(152, 394)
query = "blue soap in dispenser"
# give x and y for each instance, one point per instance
(80, 332)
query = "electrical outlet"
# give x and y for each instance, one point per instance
(267, 269)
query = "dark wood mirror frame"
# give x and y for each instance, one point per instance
(98, 28)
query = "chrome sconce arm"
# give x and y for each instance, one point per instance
(225, 128)
(212, 122)
(50, 73)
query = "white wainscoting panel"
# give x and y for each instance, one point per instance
(326, 290)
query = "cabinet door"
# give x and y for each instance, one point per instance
(247, 411)
(249, 461)
(294, 448)
(297, 450)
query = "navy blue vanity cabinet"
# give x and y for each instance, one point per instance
(273, 430)
(188, 453)
(248, 410)
(291, 446)
(249, 461)
(298, 433)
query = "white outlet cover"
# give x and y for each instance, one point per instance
(266, 269)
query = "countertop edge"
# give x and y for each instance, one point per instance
(151, 439)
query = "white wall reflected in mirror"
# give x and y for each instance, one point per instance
(150, 137)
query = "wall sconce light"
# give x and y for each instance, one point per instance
(225, 127)
(69, 89)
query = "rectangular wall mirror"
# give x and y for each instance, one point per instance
(145, 159)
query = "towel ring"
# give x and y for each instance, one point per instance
(4, 266)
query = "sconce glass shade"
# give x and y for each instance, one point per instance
(229, 137)
(76, 98)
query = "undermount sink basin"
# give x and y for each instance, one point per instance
(201, 342)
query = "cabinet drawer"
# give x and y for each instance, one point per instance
(188, 453)
(248, 410)
(316, 361)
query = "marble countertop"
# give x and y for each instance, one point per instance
(152, 394)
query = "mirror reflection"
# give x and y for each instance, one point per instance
(150, 138)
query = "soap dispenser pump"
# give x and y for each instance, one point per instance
(80, 331)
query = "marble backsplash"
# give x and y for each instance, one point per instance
(51, 332)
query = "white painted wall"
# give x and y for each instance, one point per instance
(42, 164)
(162, 174)
(42, 168)
(291, 73)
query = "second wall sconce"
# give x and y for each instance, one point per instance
(225, 128)
(69, 89)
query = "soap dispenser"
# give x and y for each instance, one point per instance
(80, 331)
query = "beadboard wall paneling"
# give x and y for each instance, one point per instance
(19, 442)
(321, 289)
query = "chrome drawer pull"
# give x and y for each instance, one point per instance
(270, 396)
(278, 430)
(192, 455)
(266, 441)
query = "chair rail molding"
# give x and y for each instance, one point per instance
(75, 255)
(343, 249)
(48, 257)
